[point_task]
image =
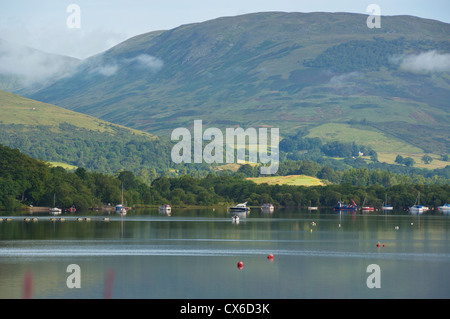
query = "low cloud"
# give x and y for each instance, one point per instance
(109, 68)
(342, 79)
(148, 61)
(426, 62)
(25, 67)
(30, 66)
(106, 70)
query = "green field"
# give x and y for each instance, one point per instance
(379, 141)
(63, 165)
(19, 110)
(436, 163)
(294, 180)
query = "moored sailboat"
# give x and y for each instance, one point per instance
(417, 208)
(55, 210)
(120, 209)
(367, 207)
(312, 207)
(385, 204)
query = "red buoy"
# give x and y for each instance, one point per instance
(240, 265)
(378, 245)
(383, 245)
(270, 257)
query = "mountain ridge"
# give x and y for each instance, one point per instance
(270, 69)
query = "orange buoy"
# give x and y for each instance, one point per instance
(240, 265)
(270, 257)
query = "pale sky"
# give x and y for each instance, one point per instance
(43, 24)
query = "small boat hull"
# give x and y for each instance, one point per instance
(444, 208)
(341, 206)
(418, 209)
(354, 209)
(55, 211)
(267, 208)
(239, 208)
(165, 209)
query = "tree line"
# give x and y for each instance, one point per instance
(213, 190)
(26, 181)
(361, 176)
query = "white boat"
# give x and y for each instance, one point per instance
(312, 207)
(417, 208)
(239, 208)
(235, 219)
(267, 208)
(55, 210)
(444, 208)
(385, 205)
(120, 209)
(367, 208)
(165, 209)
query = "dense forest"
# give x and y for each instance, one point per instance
(357, 55)
(96, 151)
(25, 181)
(150, 159)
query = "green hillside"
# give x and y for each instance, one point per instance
(275, 69)
(19, 110)
(72, 139)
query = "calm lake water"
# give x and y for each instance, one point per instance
(194, 254)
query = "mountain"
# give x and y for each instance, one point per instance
(24, 69)
(55, 134)
(295, 71)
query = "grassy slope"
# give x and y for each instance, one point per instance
(295, 180)
(379, 141)
(16, 109)
(387, 146)
(41, 130)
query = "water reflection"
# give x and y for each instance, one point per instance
(192, 253)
